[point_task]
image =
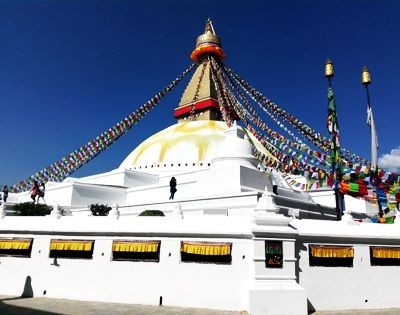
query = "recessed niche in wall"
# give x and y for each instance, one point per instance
(331, 256)
(135, 250)
(206, 252)
(80, 249)
(273, 254)
(16, 247)
(384, 256)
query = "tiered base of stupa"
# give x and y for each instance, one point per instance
(226, 242)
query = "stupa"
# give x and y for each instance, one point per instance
(235, 236)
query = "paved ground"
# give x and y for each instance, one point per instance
(43, 306)
(363, 312)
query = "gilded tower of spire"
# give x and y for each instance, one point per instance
(199, 100)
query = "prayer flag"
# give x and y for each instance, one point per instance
(374, 138)
(333, 125)
(333, 128)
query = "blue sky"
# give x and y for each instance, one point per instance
(71, 69)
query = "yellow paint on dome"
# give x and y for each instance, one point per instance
(185, 142)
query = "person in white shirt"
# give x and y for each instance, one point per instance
(41, 192)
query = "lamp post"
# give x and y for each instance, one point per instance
(329, 74)
(366, 81)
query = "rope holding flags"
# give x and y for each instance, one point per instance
(64, 167)
(346, 162)
(289, 154)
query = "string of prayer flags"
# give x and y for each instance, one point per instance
(64, 167)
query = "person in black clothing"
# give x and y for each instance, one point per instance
(172, 187)
(5, 193)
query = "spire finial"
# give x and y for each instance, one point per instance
(208, 43)
(209, 27)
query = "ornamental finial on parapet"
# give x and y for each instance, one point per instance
(114, 212)
(2, 210)
(56, 212)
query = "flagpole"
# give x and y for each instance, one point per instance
(329, 74)
(366, 81)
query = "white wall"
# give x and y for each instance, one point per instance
(84, 195)
(323, 197)
(228, 205)
(359, 205)
(60, 193)
(275, 290)
(346, 288)
(79, 194)
(118, 177)
(101, 279)
(229, 287)
(355, 205)
(253, 179)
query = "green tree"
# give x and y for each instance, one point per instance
(154, 213)
(31, 209)
(99, 210)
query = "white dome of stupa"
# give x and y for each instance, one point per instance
(183, 145)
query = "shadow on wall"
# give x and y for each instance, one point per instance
(55, 262)
(9, 305)
(310, 307)
(301, 248)
(28, 291)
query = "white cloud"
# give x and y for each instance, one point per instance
(391, 161)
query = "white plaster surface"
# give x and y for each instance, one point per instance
(101, 279)
(217, 200)
(345, 288)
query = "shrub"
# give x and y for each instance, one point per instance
(99, 210)
(31, 209)
(154, 213)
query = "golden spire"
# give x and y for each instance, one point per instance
(209, 36)
(200, 96)
(208, 43)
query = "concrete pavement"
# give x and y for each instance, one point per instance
(45, 306)
(361, 312)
